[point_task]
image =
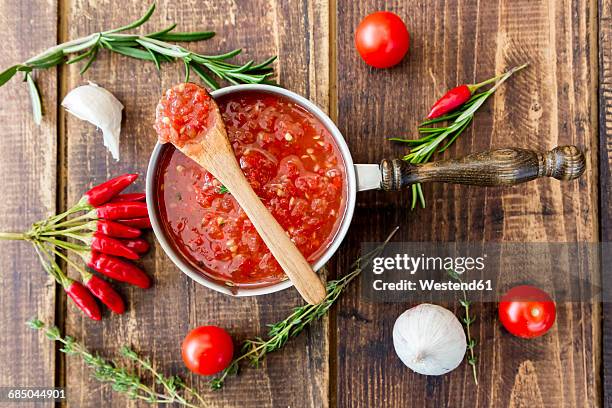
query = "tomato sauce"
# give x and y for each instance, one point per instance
(294, 166)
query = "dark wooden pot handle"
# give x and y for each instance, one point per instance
(499, 167)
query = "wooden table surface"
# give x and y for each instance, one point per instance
(346, 360)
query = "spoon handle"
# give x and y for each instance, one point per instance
(499, 167)
(226, 169)
(282, 248)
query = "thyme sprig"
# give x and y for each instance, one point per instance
(423, 148)
(468, 320)
(255, 350)
(162, 390)
(152, 47)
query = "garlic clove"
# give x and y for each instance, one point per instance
(99, 107)
(429, 339)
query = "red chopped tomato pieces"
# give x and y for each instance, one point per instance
(184, 112)
(293, 165)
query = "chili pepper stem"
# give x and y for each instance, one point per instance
(84, 274)
(50, 266)
(13, 236)
(64, 244)
(72, 222)
(64, 231)
(474, 87)
(80, 206)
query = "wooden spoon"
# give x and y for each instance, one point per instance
(209, 146)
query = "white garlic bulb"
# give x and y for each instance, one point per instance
(429, 339)
(99, 107)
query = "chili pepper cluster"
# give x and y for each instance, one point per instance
(106, 235)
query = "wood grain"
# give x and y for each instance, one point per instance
(605, 172)
(551, 103)
(28, 168)
(159, 318)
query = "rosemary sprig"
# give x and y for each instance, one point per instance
(423, 148)
(172, 390)
(467, 320)
(255, 350)
(152, 47)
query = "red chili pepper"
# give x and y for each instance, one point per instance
(456, 97)
(117, 269)
(117, 211)
(129, 197)
(82, 298)
(102, 193)
(110, 246)
(105, 292)
(142, 223)
(140, 246)
(114, 229)
(450, 101)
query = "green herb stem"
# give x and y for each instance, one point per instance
(149, 47)
(255, 350)
(120, 377)
(467, 321)
(421, 150)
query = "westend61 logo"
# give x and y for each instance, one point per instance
(414, 264)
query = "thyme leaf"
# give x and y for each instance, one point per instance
(255, 350)
(467, 320)
(161, 390)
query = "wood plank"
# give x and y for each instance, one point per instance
(605, 178)
(158, 318)
(28, 169)
(549, 104)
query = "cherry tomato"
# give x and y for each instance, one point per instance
(207, 350)
(382, 39)
(527, 311)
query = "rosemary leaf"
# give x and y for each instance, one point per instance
(264, 66)
(82, 46)
(171, 51)
(186, 70)
(8, 74)
(155, 59)
(225, 56)
(134, 53)
(78, 58)
(136, 23)
(162, 32)
(35, 97)
(149, 47)
(48, 61)
(208, 80)
(94, 54)
(422, 149)
(184, 37)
